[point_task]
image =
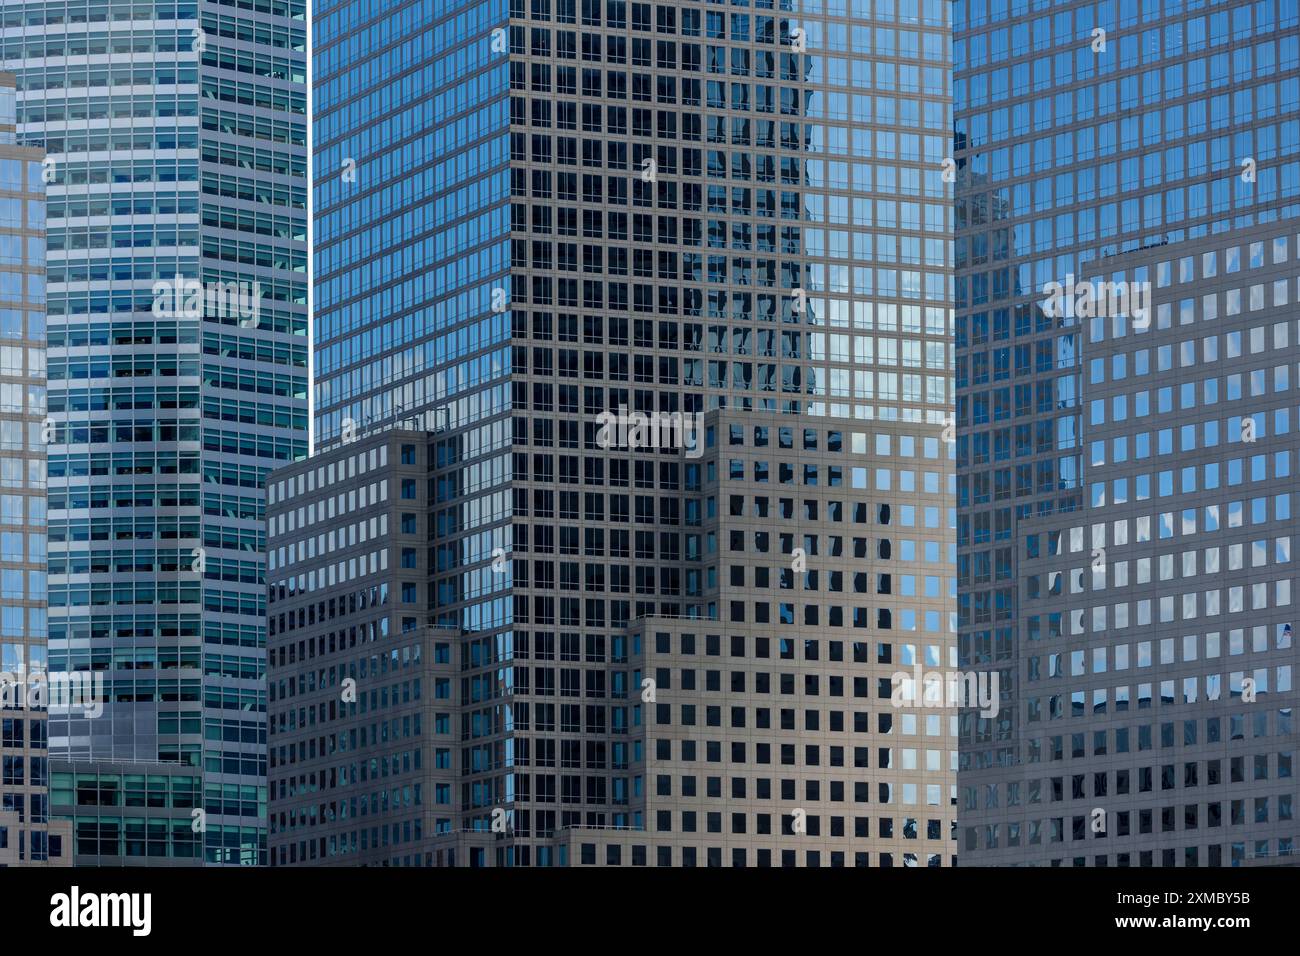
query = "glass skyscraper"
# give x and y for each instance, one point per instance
(26, 835)
(1128, 179)
(176, 140)
(533, 215)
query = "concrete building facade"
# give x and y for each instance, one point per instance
(758, 732)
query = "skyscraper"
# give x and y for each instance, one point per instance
(176, 138)
(1126, 337)
(538, 226)
(26, 834)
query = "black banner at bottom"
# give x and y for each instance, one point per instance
(338, 906)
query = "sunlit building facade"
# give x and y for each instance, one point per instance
(1128, 182)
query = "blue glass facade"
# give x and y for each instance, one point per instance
(1121, 151)
(26, 836)
(532, 214)
(176, 135)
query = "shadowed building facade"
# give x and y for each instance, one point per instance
(535, 220)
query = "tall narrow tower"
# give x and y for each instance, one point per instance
(176, 135)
